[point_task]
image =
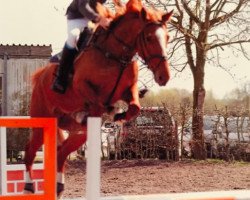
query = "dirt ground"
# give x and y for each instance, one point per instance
(153, 176)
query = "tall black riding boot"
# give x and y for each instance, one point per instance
(66, 64)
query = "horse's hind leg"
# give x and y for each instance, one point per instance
(71, 144)
(32, 147)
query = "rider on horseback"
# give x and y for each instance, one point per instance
(79, 13)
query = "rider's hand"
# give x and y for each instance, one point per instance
(104, 22)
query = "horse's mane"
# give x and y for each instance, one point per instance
(134, 6)
(152, 14)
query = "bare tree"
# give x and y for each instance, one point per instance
(202, 30)
(184, 116)
(17, 138)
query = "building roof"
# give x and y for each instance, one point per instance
(25, 51)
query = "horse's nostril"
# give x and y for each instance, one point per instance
(161, 80)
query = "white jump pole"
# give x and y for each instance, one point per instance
(3, 161)
(93, 158)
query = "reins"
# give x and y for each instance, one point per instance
(123, 64)
(124, 60)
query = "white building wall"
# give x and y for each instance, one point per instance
(18, 79)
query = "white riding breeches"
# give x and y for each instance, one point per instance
(75, 27)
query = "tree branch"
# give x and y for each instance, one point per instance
(228, 43)
(183, 30)
(189, 54)
(190, 13)
(219, 8)
(225, 17)
(207, 14)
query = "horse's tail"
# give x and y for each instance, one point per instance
(37, 74)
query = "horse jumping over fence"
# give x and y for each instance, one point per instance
(104, 73)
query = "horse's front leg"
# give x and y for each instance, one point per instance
(71, 144)
(131, 96)
(32, 147)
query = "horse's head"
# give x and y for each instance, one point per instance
(141, 30)
(152, 44)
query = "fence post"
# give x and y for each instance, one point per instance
(3, 161)
(93, 158)
(49, 126)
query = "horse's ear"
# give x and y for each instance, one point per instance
(166, 17)
(134, 5)
(144, 14)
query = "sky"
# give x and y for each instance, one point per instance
(43, 22)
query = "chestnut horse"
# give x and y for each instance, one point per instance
(104, 73)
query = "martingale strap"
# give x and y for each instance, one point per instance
(156, 56)
(124, 61)
(107, 103)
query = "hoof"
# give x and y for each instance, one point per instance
(120, 116)
(27, 192)
(60, 189)
(59, 198)
(28, 188)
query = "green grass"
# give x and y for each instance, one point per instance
(241, 163)
(218, 161)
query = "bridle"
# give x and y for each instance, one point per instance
(127, 56)
(141, 43)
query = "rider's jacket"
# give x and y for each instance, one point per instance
(83, 8)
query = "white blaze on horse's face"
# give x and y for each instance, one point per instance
(162, 38)
(162, 73)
